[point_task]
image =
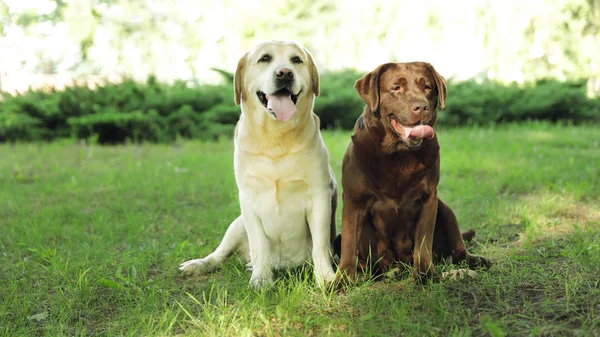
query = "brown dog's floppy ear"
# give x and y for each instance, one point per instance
(238, 79)
(314, 74)
(440, 83)
(368, 88)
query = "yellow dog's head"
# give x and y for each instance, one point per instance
(277, 77)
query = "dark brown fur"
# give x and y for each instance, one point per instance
(391, 210)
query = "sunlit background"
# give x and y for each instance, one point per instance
(54, 41)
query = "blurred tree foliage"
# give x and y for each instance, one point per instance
(510, 40)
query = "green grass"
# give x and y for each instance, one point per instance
(91, 237)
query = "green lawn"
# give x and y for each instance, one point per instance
(91, 237)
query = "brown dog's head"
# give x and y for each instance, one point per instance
(404, 96)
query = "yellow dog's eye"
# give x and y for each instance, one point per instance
(265, 58)
(296, 60)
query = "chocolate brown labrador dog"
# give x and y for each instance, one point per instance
(390, 174)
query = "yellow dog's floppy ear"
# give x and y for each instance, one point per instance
(314, 74)
(440, 83)
(368, 88)
(238, 79)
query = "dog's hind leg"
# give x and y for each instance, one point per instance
(235, 240)
(449, 240)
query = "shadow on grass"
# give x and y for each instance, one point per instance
(545, 288)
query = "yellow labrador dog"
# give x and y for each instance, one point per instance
(287, 190)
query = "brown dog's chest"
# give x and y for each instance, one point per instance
(398, 187)
(396, 216)
(399, 202)
(398, 178)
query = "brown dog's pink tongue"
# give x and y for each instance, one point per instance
(420, 132)
(282, 106)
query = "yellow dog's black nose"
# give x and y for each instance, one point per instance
(284, 72)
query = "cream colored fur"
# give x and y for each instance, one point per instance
(282, 172)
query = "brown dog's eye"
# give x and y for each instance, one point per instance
(265, 58)
(296, 60)
(427, 87)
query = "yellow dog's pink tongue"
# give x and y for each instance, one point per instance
(282, 106)
(419, 132)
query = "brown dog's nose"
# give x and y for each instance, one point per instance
(419, 107)
(284, 72)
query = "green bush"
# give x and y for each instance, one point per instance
(491, 102)
(113, 126)
(157, 112)
(338, 105)
(33, 116)
(19, 127)
(115, 113)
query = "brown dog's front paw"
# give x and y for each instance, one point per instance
(424, 274)
(341, 282)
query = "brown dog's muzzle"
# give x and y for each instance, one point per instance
(412, 134)
(411, 124)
